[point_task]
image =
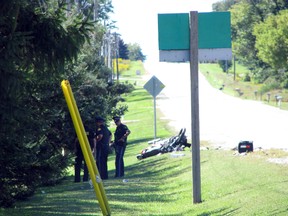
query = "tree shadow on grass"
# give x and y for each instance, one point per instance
(148, 182)
(141, 96)
(80, 199)
(144, 185)
(138, 141)
(222, 211)
(67, 198)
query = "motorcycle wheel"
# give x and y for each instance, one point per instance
(139, 157)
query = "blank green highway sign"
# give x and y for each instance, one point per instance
(213, 31)
(173, 31)
(214, 36)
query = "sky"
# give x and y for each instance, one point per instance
(136, 20)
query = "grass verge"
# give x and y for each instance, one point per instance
(239, 88)
(232, 184)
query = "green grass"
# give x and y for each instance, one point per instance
(162, 185)
(217, 78)
(250, 90)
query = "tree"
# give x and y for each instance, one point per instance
(224, 5)
(242, 22)
(40, 44)
(135, 52)
(123, 50)
(225, 65)
(272, 40)
(95, 95)
(34, 49)
(244, 16)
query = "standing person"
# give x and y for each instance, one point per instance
(120, 142)
(103, 138)
(79, 160)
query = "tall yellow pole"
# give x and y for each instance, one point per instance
(85, 147)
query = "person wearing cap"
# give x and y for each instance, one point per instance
(79, 160)
(103, 137)
(120, 142)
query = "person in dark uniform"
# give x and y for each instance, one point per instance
(120, 142)
(79, 160)
(103, 138)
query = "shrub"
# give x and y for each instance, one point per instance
(284, 84)
(247, 78)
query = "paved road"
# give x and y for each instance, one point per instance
(224, 120)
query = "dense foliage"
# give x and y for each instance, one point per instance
(135, 52)
(259, 35)
(272, 40)
(123, 50)
(42, 43)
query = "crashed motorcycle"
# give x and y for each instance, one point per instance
(161, 146)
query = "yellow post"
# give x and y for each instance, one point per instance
(85, 147)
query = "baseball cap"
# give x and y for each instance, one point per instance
(99, 119)
(116, 118)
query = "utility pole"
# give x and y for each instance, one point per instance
(68, 7)
(234, 65)
(95, 10)
(116, 48)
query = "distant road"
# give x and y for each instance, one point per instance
(224, 120)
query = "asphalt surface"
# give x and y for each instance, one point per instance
(224, 120)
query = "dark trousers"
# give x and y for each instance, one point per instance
(79, 163)
(119, 161)
(101, 162)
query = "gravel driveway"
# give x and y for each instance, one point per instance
(224, 120)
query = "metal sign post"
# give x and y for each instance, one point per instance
(154, 86)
